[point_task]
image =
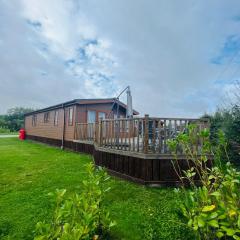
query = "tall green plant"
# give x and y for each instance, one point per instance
(228, 120)
(79, 216)
(211, 208)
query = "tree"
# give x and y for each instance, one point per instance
(228, 120)
(14, 119)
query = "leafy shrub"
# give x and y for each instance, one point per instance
(228, 120)
(212, 209)
(79, 216)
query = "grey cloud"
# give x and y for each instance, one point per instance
(163, 50)
(22, 82)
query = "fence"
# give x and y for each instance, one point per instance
(142, 135)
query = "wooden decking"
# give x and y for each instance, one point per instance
(137, 148)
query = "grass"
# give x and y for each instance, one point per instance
(29, 171)
(8, 133)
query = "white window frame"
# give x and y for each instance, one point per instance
(70, 116)
(56, 115)
(103, 115)
(90, 118)
(46, 117)
(34, 120)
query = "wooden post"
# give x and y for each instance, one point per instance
(138, 132)
(160, 136)
(165, 136)
(146, 133)
(75, 131)
(95, 131)
(100, 132)
(154, 135)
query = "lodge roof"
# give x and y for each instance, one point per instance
(82, 102)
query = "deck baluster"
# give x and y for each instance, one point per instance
(146, 133)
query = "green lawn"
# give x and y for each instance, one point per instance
(29, 171)
(8, 133)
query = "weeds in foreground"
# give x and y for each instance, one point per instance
(79, 216)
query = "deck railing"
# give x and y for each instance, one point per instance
(85, 131)
(143, 135)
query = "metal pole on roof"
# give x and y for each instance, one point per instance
(117, 99)
(118, 108)
(129, 104)
(129, 110)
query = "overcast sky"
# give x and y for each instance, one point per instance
(179, 57)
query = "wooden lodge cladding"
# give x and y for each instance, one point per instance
(51, 127)
(52, 123)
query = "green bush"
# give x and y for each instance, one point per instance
(228, 120)
(79, 216)
(212, 209)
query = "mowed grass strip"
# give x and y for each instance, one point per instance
(29, 171)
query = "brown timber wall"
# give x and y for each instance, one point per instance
(48, 129)
(81, 111)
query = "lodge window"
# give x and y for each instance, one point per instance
(70, 116)
(91, 116)
(34, 120)
(46, 117)
(101, 115)
(56, 118)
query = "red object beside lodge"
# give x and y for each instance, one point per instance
(22, 134)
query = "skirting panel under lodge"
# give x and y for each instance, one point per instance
(141, 169)
(75, 146)
(50, 141)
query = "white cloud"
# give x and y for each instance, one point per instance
(65, 31)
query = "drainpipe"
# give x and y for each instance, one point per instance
(63, 131)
